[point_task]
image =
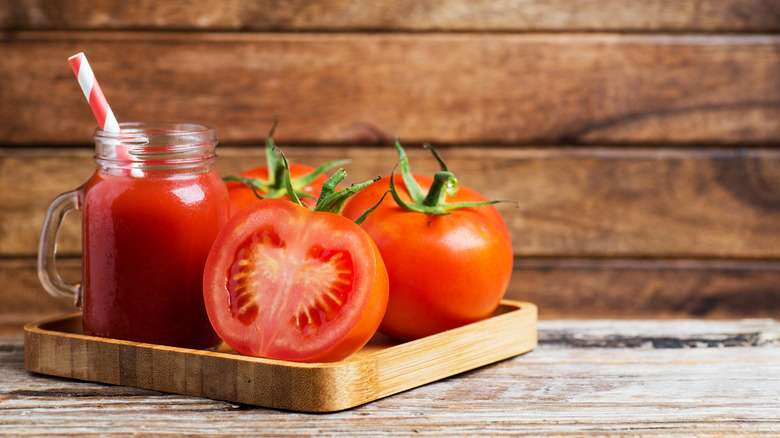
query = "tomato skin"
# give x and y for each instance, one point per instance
(271, 330)
(445, 271)
(241, 195)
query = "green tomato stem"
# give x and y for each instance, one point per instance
(434, 202)
(275, 186)
(444, 184)
(270, 156)
(330, 200)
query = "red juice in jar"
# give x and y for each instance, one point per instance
(150, 214)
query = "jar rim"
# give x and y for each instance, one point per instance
(156, 145)
(135, 129)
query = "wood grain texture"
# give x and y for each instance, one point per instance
(574, 202)
(647, 334)
(561, 388)
(641, 137)
(382, 368)
(561, 288)
(23, 299)
(367, 88)
(619, 288)
(397, 15)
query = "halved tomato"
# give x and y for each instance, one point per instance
(289, 283)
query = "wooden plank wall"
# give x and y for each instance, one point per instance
(640, 137)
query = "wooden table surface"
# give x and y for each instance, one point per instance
(586, 378)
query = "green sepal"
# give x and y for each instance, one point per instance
(444, 184)
(270, 157)
(335, 200)
(437, 156)
(414, 189)
(275, 187)
(366, 213)
(330, 199)
(253, 183)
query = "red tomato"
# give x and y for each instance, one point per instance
(242, 195)
(285, 282)
(445, 270)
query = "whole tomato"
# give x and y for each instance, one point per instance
(267, 182)
(287, 282)
(446, 248)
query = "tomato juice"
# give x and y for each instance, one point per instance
(150, 213)
(145, 243)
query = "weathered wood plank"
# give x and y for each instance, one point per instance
(683, 333)
(382, 368)
(22, 298)
(559, 389)
(561, 288)
(580, 202)
(442, 88)
(397, 15)
(619, 288)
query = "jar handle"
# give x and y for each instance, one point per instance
(47, 248)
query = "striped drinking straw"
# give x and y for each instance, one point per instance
(97, 101)
(93, 93)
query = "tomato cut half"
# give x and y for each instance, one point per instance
(285, 282)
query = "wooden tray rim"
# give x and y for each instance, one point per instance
(324, 385)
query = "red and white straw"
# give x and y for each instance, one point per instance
(93, 93)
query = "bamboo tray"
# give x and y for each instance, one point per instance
(58, 347)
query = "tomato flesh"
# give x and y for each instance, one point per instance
(287, 283)
(322, 278)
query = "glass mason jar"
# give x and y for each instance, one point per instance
(150, 214)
